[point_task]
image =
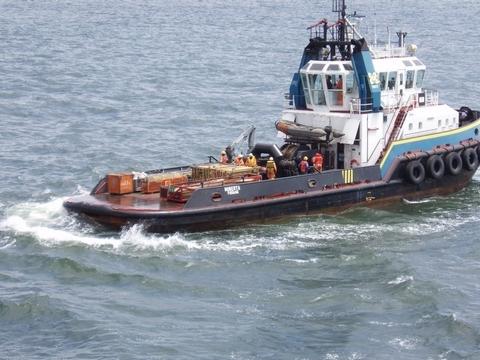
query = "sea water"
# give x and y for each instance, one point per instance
(89, 87)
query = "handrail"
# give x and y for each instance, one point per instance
(375, 149)
(356, 106)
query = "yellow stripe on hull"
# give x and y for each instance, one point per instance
(347, 176)
(474, 124)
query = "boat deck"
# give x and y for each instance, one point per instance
(138, 201)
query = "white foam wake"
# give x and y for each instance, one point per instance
(51, 225)
(423, 201)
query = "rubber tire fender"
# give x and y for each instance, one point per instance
(435, 167)
(453, 163)
(415, 172)
(470, 159)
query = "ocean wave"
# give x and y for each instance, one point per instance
(33, 306)
(51, 225)
(409, 343)
(414, 202)
(401, 280)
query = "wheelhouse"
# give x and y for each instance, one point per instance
(328, 86)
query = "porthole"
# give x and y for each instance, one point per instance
(216, 197)
(312, 183)
(476, 131)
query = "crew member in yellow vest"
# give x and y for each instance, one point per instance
(271, 168)
(251, 160)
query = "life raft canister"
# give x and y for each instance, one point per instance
(470, 159)
(415, 172)
(453, 163)
(435, 167)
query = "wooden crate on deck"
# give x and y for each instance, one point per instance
(120, 183)
(154, 182)
(215, 171)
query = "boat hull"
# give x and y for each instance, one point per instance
(223, 216)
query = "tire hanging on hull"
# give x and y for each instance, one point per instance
(470, 159)
(453, 163)
(415, 172)
(435, 167)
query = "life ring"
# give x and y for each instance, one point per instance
(453, 163)
(354, 163)
(415, 172)
(470, 159)
(435, 167)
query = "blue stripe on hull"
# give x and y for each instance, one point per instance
(428, 142)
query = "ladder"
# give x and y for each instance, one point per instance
(397, 125)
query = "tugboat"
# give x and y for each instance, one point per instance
(358, 128)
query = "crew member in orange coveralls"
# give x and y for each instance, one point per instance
(317, 161)
(339, 87)
(239, 160)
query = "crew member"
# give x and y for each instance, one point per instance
(317, 161)
(224, 158)
(251, 161)
(239, 160)
(271, 169)
(303, 166)
(339, 87)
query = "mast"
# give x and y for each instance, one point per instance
(339, 7)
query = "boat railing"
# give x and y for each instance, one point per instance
(390, 102)
(431, 97)
(387, 51)
(290, 101)
(356, 106)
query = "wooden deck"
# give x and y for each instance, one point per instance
(138, 202)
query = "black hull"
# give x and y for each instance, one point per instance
(261, 211)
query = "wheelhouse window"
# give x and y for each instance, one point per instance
(305, 89)
(392, 80)
(383, 80)
(350, 82)
(420, 76)
(334, 67)
(335, 89)
(316, 86)
(409, 80)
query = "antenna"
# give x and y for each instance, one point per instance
(374, 24)
(401, 38)
(389, 41)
